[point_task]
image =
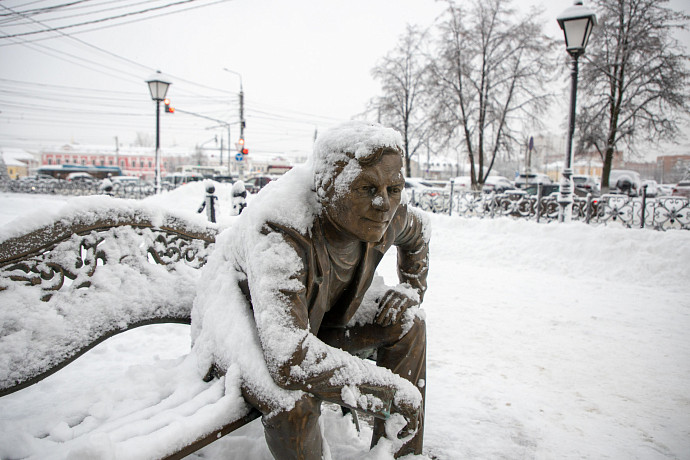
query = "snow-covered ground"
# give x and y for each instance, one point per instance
(546, 341)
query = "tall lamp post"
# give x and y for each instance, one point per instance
(577, 23)
(158, 86)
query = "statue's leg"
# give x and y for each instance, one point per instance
(403, 354)
(293, 434)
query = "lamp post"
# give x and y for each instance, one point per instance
(242, 123)
(158, 86)
(577, 23)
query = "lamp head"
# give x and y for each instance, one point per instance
(158, 86)
(577, 23)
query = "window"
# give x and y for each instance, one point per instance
(149, 163)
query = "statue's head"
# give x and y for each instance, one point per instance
(359, 177)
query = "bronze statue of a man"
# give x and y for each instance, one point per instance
(291, 308)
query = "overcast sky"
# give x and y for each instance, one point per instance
(304, 65)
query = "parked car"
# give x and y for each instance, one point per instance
(550, 189)
(416, 188)
(39, 177)
(666, 189)
(525, 179)
(651, 187)
(588, 184)
(225, 179)
(123, 180)
(497, 184)
(625, 182)
(682, 189)
(256, 183)
(546, 189)
(80, 177)
(176, 179)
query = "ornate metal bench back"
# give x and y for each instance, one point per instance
(56, 268)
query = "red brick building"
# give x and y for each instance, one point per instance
(134, 161)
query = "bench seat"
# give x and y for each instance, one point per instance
(153, 411)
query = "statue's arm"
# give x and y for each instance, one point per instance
(412, 241)
(296, 358)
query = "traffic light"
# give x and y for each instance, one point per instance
(245, 151)
(167, 106)
(240, 146)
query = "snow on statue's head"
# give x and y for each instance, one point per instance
(340, 153)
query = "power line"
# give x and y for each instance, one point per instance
(95, 21)
(150, 69)
(10, 18)
(47, 8)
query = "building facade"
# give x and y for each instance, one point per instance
(134, 161)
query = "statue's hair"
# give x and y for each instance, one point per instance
(340, 153)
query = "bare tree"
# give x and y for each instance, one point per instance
(635, 86)
(401, 106)
(144, 140)
(488, 79)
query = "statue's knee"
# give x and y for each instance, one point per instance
(307, 406)
(305, 412)
(417, 330)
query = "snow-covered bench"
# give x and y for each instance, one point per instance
(70, 280)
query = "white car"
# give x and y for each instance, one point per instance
(497, 184)
(666, 189)
(80, 177)
(525, 179)
(462, 184)
(652, 188)
(416, 187)
(625, 182)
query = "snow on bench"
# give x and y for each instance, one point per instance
(71, 279)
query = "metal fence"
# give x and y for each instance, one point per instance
(661, 213)
(78, 188)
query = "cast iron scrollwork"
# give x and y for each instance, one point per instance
(168, 248)
(71, 264)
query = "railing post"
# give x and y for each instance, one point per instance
(539, 192)
(644, 205)
(588, 214)
(450, 208)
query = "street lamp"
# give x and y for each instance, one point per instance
(577, 23)
(158, 86)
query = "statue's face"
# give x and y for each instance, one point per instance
(366, 210)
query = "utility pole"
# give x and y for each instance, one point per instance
(117, 152)
(241, 111)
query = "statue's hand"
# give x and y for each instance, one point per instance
(408, 427)
(392, 307)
